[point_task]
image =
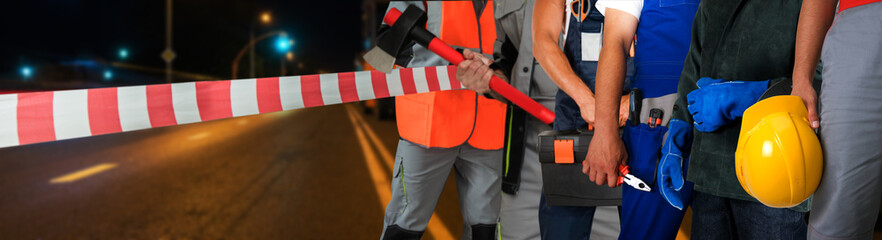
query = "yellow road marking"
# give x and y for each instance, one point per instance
(381, 183)
(83, 173)
(376, 140)
(436, 226)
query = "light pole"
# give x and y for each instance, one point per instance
(265, 18)
(289, 57)
(168, 55)
(282, 45)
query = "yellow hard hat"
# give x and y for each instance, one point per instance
(778, 160)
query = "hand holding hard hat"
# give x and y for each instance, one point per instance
(778, 160)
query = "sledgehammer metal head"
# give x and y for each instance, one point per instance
(390, 43)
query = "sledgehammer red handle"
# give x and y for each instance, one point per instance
(451, 55)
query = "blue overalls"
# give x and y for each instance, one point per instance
(663, 38)
(582, 48)
(583, 62)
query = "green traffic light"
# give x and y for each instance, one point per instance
(123, 53)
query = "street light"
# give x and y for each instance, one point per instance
(265, 18)
(283, 43)
(289, 56)
(250, 45)
(26, 72)
(108, 75)
(123, 53)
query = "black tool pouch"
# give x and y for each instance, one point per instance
(513, 153)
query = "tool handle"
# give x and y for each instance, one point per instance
(624, 170)
(451, 55)
(522, 100)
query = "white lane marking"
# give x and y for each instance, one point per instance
(133, 113)
(184, 103)
(289, 91)
(9, 120)
(436, 226)
(73, 107)
(70, 177)
(243, 97)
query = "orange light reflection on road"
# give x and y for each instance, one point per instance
(83, 173)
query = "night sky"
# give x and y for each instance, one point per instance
(207, 34)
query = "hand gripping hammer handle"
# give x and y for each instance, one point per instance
(426, 38)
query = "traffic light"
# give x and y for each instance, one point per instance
(108, 75)
(283, 43)
(123, 53)
(26, 72)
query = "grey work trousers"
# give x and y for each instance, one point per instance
(846, 203)
(419, 177)
(519, 216)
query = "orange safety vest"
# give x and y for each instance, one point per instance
(846, 4)
(450, 118)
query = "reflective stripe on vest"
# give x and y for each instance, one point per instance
(450, 118)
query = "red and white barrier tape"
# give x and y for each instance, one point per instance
(27, 118)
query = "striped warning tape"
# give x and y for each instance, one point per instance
(27, 118)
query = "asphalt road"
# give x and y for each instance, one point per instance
(301, 174)
(320, 173)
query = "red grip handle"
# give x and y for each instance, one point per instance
(624, 170)
(392, 16)
(522, 100)
(436, 45)
(503, 88)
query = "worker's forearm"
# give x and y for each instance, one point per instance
(814, 20)
(548, 16)
(610, 77)
(501, 75)
(618, 33)
(555, 63)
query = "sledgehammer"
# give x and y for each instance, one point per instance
(405, 28)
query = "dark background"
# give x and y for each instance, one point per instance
(66, 41)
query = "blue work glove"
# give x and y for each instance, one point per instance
(717, 102)
(675, 149)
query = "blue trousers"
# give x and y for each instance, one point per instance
(647, 215)
(564, 222)
(716, 217)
